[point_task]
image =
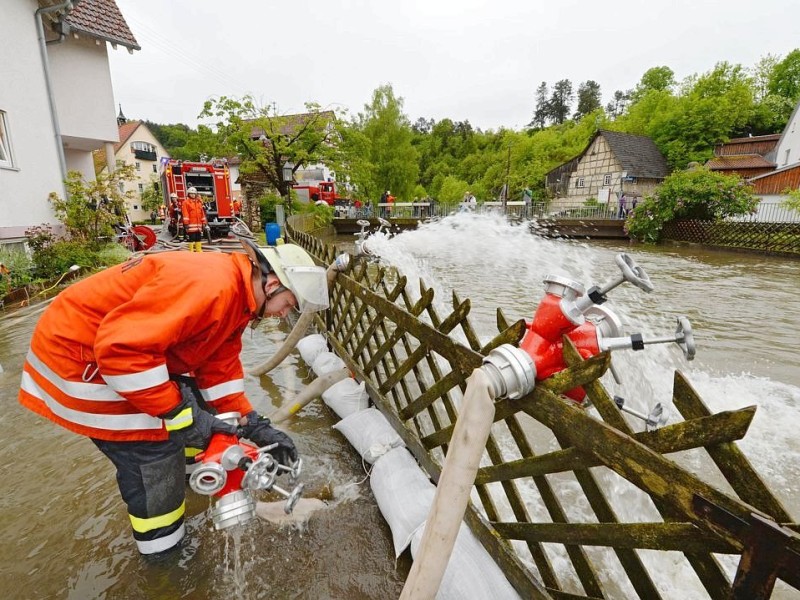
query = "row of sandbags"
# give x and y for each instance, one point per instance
(403, 491)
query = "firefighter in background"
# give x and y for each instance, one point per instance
(174, 214)
(107, 362)
(237, 208)
(162, 213)
(194, 219)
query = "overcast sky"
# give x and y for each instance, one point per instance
(475, 60)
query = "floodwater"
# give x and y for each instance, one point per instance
(67, 532)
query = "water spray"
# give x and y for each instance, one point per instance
(512, 372)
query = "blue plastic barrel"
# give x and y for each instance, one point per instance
(273, 232)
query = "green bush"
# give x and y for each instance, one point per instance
(696, 193)
(20, 270)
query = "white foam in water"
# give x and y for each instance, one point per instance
(494, 263)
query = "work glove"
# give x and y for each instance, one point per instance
(258, 430)
(191, 426)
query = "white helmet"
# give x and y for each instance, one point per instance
(173, 195)
(296, 270)
(191, 190)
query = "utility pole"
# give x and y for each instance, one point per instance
(508, 170)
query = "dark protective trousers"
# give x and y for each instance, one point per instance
(151, 476)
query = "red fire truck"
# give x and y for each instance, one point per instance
(322, 190)
(213, 184)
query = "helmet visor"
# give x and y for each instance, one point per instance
(309, 285)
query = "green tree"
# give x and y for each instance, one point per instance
(696, 193)
(588, 98)
(91, 208)
(658, 79)
(391, 153)
(618, 104)
(151, 196)
(266, 140)
(560, 101)
(785, 79)
(542, 110)
(793, 200)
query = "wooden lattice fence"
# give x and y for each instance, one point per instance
(777, 238)
(415, 362)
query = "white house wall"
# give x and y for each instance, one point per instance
(23, 97)
(82, 85)
(787, 151)
(78, 160)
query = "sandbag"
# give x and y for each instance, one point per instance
(369, 433)
(404, 496)
(471, 571)
(311, 346)
(346, 397)
(327, 362)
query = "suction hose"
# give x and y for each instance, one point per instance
(506, 372)
(313, 390)
(302, 325)
(452, 493)
(297, 333)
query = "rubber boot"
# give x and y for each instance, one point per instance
(198, 246)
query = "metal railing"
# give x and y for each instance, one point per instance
(766, 212)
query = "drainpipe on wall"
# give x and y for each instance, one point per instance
(67, 6)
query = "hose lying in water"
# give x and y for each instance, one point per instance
(298, 331)
(302, 325)
(461, 464)
(313, 390)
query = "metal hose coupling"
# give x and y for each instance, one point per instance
(511, 371)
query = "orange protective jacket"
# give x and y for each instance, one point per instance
(194, 215)
(102, 354)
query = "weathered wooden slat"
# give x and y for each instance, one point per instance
(653, 536)
(558, 383)
(648, 470)
(510, 335)
(705, 565)
(720, 427)
(729, 459)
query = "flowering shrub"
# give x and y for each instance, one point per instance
(696, 193)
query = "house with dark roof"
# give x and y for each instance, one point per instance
(612, 164)
(56, 101)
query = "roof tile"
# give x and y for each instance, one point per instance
(102, 19)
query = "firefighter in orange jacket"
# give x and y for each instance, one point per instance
(194, 219)
(109, 359)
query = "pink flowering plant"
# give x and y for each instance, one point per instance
(696, 193)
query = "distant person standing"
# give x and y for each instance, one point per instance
(194, 219)
(469, 201)
(384, 200)
(623, 202)
(527, 197)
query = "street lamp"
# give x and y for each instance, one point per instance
(288, 172)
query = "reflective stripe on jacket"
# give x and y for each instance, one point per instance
(102, 353)
(194, 215)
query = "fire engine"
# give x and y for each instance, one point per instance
(213, 184)
(322, 190)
